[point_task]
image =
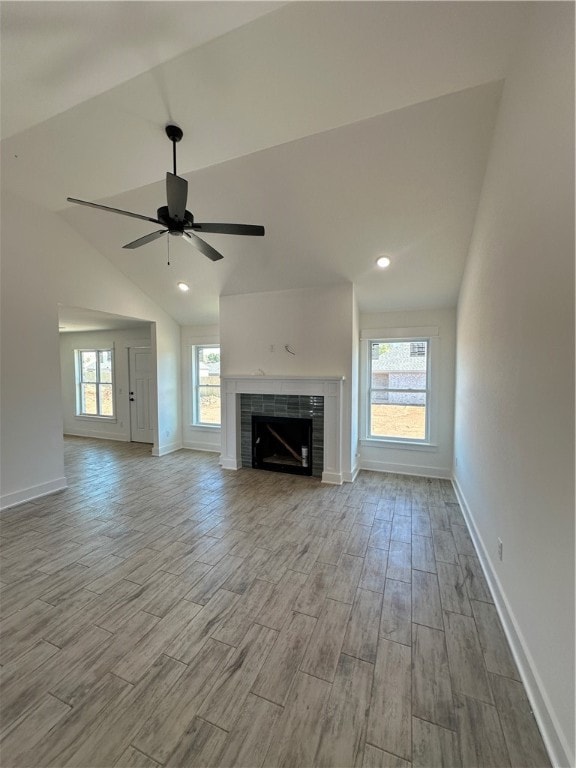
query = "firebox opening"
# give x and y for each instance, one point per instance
(282, 444)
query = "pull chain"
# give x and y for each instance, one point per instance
(168, 240)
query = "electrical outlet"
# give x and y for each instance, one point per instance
(500, 549)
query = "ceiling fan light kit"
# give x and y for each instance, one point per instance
(174, 217)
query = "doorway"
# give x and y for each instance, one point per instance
(141, 392)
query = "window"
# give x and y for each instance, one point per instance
(206, 383)
(398, 397)
(94, 382)
(417, 349)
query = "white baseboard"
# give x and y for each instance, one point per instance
(97, 435)
(405, 469)
(230, 463)
(349, 477)
(164, 450)
(332, 478)
(33, 492)
(557, 745)
(196, 445)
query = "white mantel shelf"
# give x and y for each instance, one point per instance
(328, 387)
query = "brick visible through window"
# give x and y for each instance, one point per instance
(398, 391)
(417, 349)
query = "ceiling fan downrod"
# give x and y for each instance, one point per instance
(174, 134)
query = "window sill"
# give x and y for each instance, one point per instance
(86, 417)
(207, 427)
(373, 442)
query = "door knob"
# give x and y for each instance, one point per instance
(132, 399)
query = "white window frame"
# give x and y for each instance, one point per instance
(195, 409)
(80, 414)
(429, 335)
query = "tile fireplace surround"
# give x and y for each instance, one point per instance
(330, 388)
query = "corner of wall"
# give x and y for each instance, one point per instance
(166, 448)
(32, 493)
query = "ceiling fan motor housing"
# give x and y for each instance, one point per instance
(175, 227)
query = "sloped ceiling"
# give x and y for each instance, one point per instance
(79, 320)
(348, 129)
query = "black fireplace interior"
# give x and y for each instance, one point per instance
(282, 444)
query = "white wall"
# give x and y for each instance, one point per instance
(316, 322)
(354, 393)
(43, 266)
(120, 342)
(196, 438)
(514, 433)
(430, 461)
(166, 341)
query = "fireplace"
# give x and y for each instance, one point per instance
(282, 444)
(290, 407)
(293, 396)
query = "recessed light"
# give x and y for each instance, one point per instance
(383, 262)
(184, 287)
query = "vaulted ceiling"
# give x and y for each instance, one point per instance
(348, 129)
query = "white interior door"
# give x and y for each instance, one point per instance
(141, 395)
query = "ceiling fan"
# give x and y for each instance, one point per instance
(174, 217)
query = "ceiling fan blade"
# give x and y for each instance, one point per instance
(176, 195)
(230, 229)
(145, 239)
(206, 249)
(112, 210)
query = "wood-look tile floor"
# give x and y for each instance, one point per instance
(162, 611)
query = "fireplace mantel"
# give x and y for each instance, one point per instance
(328, 387)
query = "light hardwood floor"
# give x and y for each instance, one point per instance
(162, 611)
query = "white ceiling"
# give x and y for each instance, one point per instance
(79, 320)
(53, 56)
(348, 129)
